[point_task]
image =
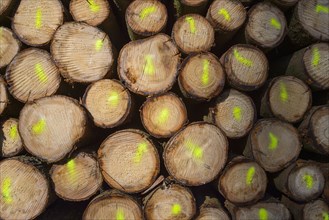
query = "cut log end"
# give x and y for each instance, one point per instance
(51, 126)
(201, 76)
(317, 210)
(129, 161)
(193, 3)
(10, 46)
(4, 5)
(92, 12)
(193, 33)
(108, 102)
(35, 24)
(3, 95)
(212, 209)
(12, 142)
(319, 128)
(200, 148)
(82, 52)
(162, 116)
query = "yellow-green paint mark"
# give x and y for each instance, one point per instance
(325, 216)
(93, 6)
(283, 92)
(163, 116)
(141, 150)
(275, 23)
(205, 72)
(176, 209)
(250, 175)
(321, 8)
(191, 22)
(113, 99)
(39, 127)
(40, 72)
(225, 14)
(147, 11)
(262, 214)
(71, 165)
(6, 190)
(196, 150)
(315, 57)
(120, 214)
(242, 59)
(13, 133)
(273, 141)
(38, 18)
(99, 44)
(71, 168)
(308, 180)
(237, 113)
(149, 66)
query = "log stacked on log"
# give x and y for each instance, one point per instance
(10, 46)
(12, 142)
(3, 95)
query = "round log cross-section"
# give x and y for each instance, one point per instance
(10, 46)
(12, 142)
(3, 95)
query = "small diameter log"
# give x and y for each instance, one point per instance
(193, 33)
(284, 4)
(311, 65)
(234, 113)
(149, 66)
(3, 95)
(11, 139)
(196, 154)
(287, 98)
(108, 102)
(273, 144)
(162, 116)
(32, 75)
(266, 26)
(183, 7)
(314, 130)
(309, 23)
(227, 17)
(78, 179)
(212, 209)
(246, 67)
(201, 76)
(145, 18)
(24, 189)
(4, 5)
(82, 52)
(51, 126)
(129, 161)
(170, 202)
(10, 46)
(35, 23)
(113, 205)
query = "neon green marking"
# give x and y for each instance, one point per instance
(120, 215)
(38, 18)
(141, 150)
(262, 214)
(316, 57)
(13, 133)
(176, 209)
(39, 127)
(241, 59)
(99, 44)
(321, 8)
(237, 113)
(250, 175)
(164, 115)
(191, 22)
(325, 216)
(274, 140)
(275, 23)
(283, 92)
(225, 14)
(149, 66)
(197, 151)
(93, 6)
(71, 165)
(40, 72)
(6, 190)
(113, 99)
(308, 179)
(147, 11)
(205, 72)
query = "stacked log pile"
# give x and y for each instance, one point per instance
(155, 109)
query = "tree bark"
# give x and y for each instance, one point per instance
(11, 142)
(10, 46)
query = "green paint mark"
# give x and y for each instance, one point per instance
(164, 116)
(176, 209)
(225, 14)
(93, 6)
(316, 57)
(149, 66)
(250, 175)
(197, 151)
(72, 174)
(99, 44)
(274, 140)
(325, 216)
(275, 23)
(71, 165)
(262, 214)
(241, 59)
(147, 11)
(283, 92)
(141, 150)
(321, 8)
(191, 22)
(6, 190)
(39, 127)
(205, 72)
(38, 18)
(120, 215)
(308, 180)
(40, 72)
(13, 133)
(113, 99)
(237, 113)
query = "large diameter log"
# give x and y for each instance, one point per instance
(129, 161)
(246, 67)
(51, 126)
(162, 116)
(309, 23)
(183, 7)
(10, 46)
(234, 113)
(113, 205)
(35, 24)
(149, 66)
(273, 144)
(108, 102)
(10, 139)
(170, 202)
(212, 209)
(83, 53)
(24, 189)
(324, 167)
(193, 33)
(196, 154)
(201, 76)
(32, 75)
(145, 18)
(78, 179)
(287, 98)
(3, 95)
